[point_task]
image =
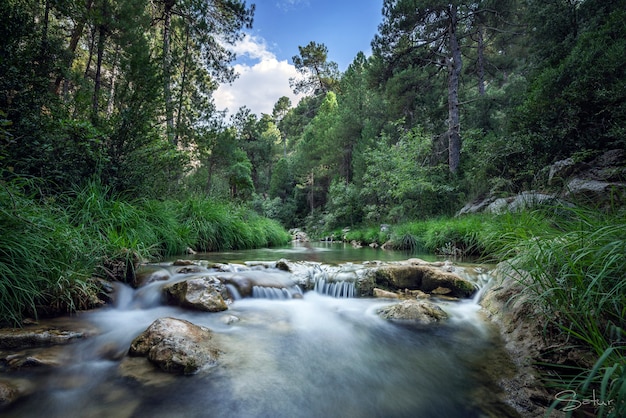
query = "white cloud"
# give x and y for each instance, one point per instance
(290, 4)
(263, 79)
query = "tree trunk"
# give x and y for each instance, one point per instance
(181, 94)
(481, 61)
(455, 64)
(114, 73)
(77, 33)
(167, 65)
(311, 196)
(98, 81)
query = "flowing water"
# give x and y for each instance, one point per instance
(314, 356)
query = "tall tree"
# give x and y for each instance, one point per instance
(428, 31)
(210, 24)
(434, 36)
(319, 76)
(280, 110)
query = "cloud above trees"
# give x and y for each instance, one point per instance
(262, 79)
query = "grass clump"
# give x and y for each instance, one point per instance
(219, 226)
(456, 237)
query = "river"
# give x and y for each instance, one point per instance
(317, 356)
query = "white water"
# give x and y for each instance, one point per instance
(316, 356)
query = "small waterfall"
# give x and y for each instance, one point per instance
(334, 282)
(234, 293)
(484, 281)
(340, 289)
(280, 293)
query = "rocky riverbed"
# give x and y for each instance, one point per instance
(411, 292)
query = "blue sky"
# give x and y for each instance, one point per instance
(280, 26)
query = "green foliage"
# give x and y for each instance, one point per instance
(578, 102)
(50, 249)
(402, 183)
(240, 176)
(44, 261)
(344, 203)
(365, 236)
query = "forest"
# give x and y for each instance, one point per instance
(480, 96)
(112, 148)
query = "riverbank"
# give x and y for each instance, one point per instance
(58, 253)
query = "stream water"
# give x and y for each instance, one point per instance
(316, 356)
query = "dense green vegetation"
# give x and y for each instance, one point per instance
(53, 250)
(111, 148)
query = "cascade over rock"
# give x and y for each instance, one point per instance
(245, 282)
(176, 346)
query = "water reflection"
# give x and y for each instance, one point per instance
(323, 252)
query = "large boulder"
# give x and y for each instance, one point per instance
(417, 311)
(177, 346)
(8, 394)
(202, 293)
(599, 181)
(426, 278)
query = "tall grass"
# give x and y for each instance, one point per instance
(51, 248)
(448, 236)
(578, 271)
(45, 263)
(218, 226)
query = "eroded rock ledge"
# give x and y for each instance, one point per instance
(530, 340)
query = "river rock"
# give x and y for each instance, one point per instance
(150, 274)
(8, 394)
(37, 337)
(203, 293)
(424, 277)
(177, 346)
(44, 357)
(595, 192)
(418, 311)
(380, 293)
